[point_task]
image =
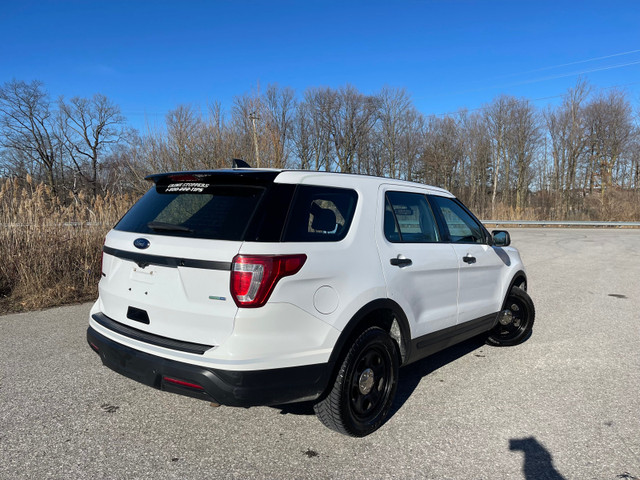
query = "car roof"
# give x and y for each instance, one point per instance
(308, 176)
(268, 175)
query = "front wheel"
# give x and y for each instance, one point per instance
(362, 394)
(515, 321)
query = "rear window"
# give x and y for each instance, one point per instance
(194, 210)
(320, 214)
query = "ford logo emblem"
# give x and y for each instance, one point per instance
(141, 243)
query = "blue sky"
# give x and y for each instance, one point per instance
(150, 56)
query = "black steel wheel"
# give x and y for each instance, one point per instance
(362, 394)
(515, 322)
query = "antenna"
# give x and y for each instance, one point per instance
(239, 163)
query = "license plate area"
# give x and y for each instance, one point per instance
(144, 275)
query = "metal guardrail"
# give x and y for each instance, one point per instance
(555, 223)
(538, 223)
(65, 224)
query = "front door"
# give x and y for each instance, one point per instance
(478, 261)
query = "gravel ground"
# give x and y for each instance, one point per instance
(564, 404)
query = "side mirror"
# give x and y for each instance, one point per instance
(501, 238)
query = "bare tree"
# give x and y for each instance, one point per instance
(279, 107)
(411, 145)
(443, 152)
(28, 128)
(523, 140)
(311, 138)
(217, 138)
(497, 119)
(478, 151)
(248, 122)
(634, 181)
(304, 144)
(395, 121)
(610, 129)
(347, 116)
(568, 142)
(90, 127)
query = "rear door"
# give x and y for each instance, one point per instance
(421, 273)
(167, 263)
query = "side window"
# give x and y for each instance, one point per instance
(462, 227)
(408, 218)
(320, 214)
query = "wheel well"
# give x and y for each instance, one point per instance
(518, 280)
(385, 314)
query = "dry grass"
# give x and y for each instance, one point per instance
(50, 251)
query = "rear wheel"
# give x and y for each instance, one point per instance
(515, 321)
(362, 394)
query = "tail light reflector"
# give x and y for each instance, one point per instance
(253, 277)
(182, 383)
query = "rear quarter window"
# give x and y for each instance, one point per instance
(320, 214)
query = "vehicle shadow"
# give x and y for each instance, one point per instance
(410, 377)
(538, 462)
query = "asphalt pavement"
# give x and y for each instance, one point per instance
(565, 404)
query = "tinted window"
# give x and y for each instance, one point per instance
(320, 214)
(270, 217)
(462, 227)
(217, 212)
(408, 218)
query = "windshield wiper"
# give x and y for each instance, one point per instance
(168, 227)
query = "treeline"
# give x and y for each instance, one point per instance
(509, 159)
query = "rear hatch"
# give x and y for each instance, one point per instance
(167, 263)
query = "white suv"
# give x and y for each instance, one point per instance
(265, 287)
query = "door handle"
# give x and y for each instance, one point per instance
(400, 261)
(469, 259)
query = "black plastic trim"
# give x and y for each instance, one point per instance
(143, 260)
(233, 388)
(434, 342)
(357, 324)
(519, 277)
(150, 338)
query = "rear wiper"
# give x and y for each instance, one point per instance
(168, 227)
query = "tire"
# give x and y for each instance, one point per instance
(521, 315)
(361, 397)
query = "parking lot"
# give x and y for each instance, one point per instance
(565, 404)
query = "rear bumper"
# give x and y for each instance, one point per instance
(233, 388)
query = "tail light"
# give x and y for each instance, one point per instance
(253, 277)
